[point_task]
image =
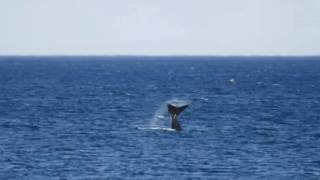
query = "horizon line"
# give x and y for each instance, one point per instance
(146, 55)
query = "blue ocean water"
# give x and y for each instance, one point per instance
(106, 118)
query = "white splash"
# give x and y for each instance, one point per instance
(157, 128)
(158, 119)
(204, 99)
(232, 80)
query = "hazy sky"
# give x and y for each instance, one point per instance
(160, 27)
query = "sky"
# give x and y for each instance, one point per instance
(159, 27)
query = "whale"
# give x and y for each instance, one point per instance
(174, 112)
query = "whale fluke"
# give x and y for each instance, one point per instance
(174, 112)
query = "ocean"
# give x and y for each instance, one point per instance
(82, 118)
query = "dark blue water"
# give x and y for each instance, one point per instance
(105, 118)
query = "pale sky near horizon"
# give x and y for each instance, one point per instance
(160, 27)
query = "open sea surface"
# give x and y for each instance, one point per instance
(82, 118)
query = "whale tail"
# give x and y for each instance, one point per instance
(174, 112)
